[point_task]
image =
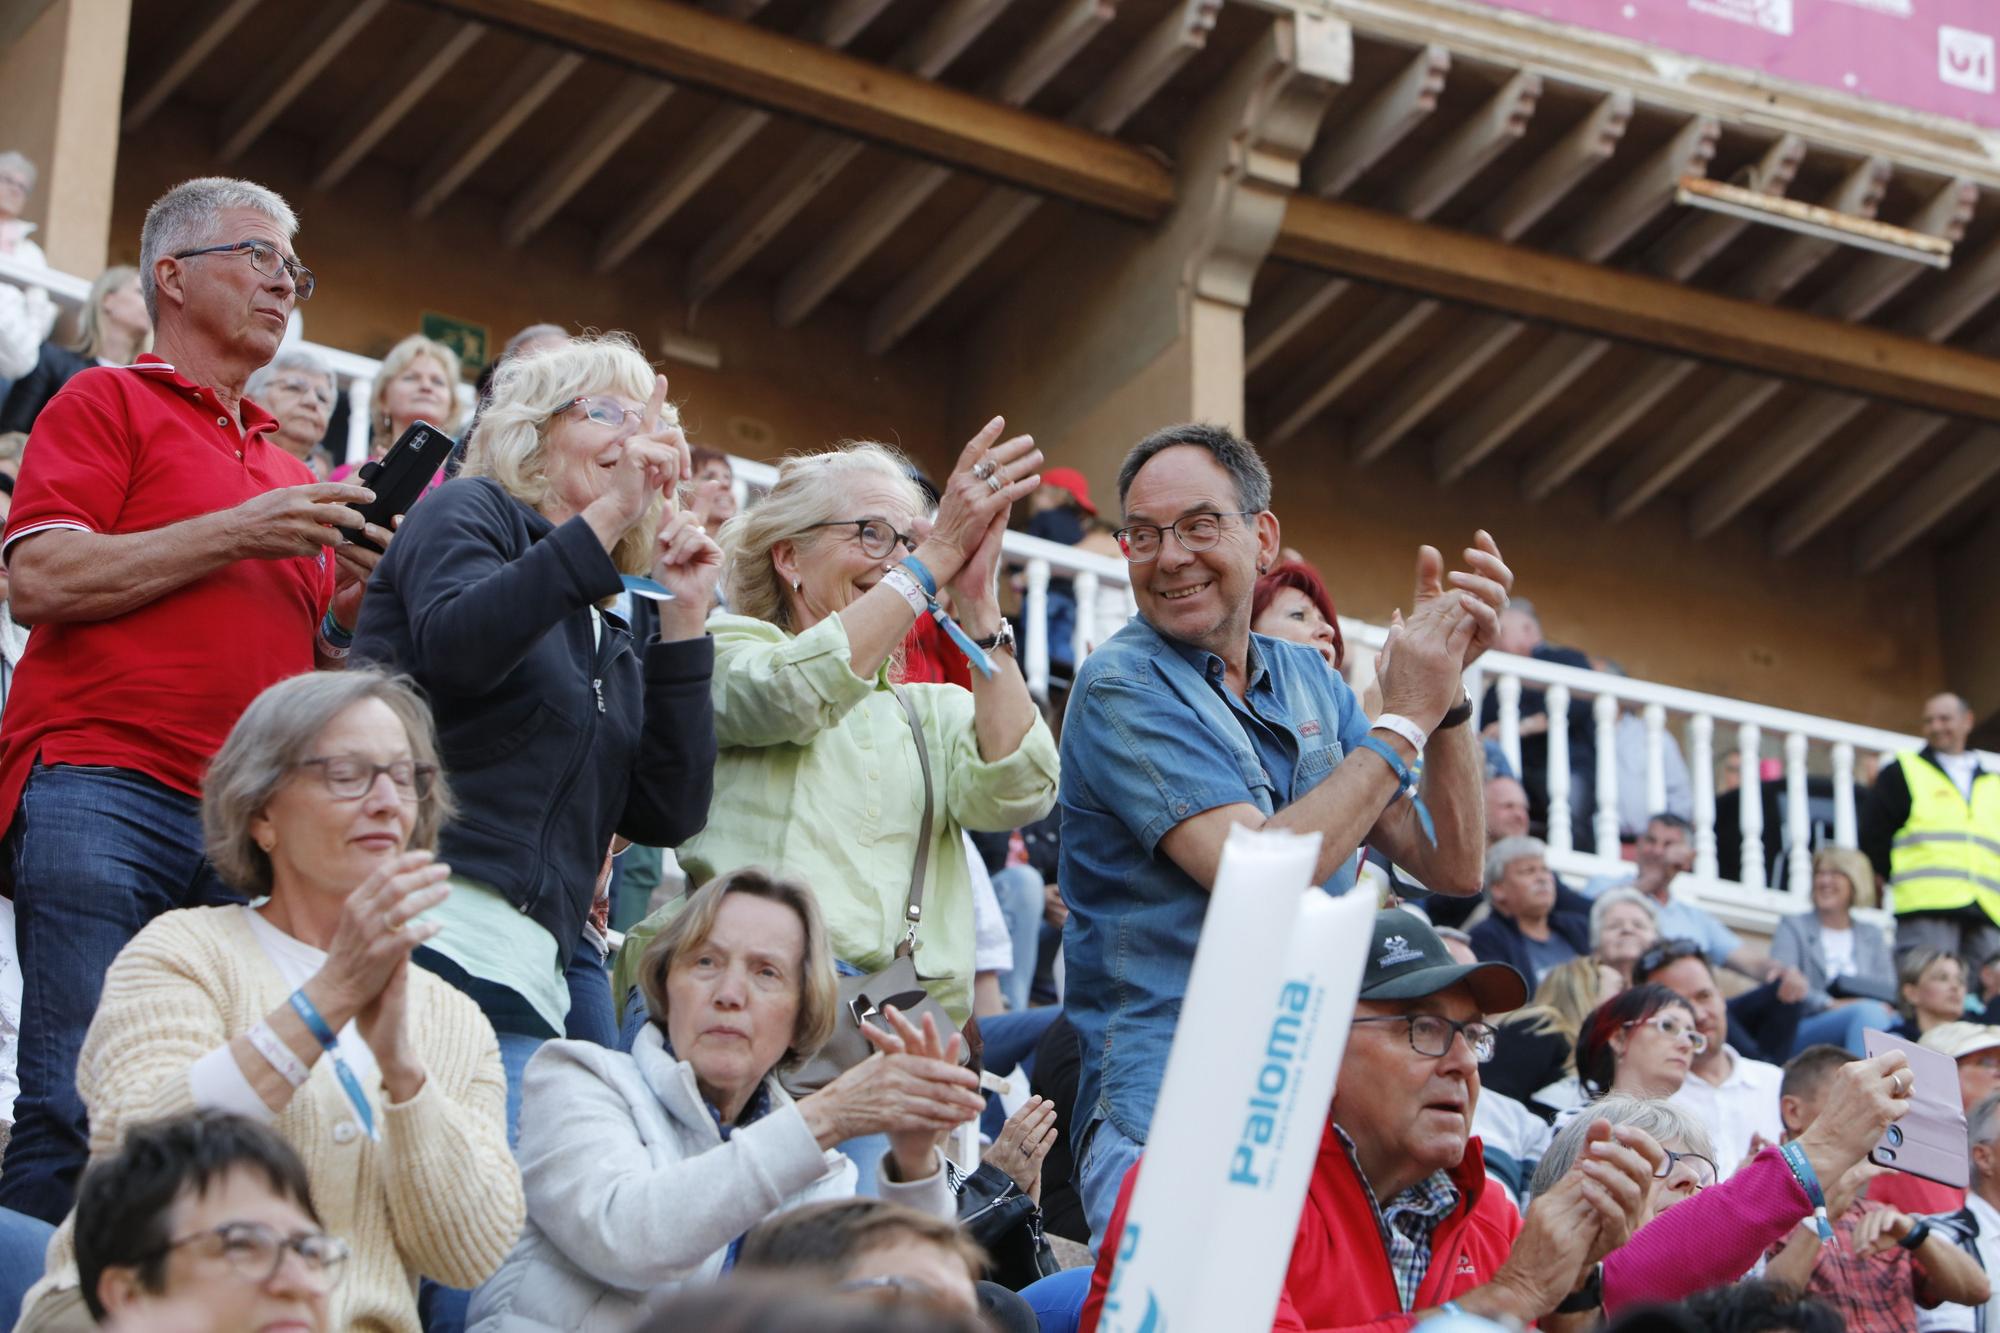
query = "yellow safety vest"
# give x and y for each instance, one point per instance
(1948, 854)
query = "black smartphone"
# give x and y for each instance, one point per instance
(400, 476)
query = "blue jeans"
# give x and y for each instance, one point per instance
(1019, 889)
(96, 853)
(1100, 1174)
(591, 1017)
(1844, 1026)
(1057, 1299)
(1011, 1040)
(24, 1244)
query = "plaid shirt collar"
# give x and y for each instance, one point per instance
(1407, 1222)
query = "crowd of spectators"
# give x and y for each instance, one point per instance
(316, 848)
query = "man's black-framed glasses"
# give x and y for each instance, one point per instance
(253, 1252)
(878, 539)
(265, 258)
(1431, 1034)
(1195, 532)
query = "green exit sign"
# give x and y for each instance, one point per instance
(467, 339)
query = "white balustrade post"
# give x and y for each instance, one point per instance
(1750, 806)
(1798, 832)
(359, 391)
(1845, 829)
(1509, 686)
(1605, 823)
(1561, 836)
(1656, 758)
(1086, 617)
(1036, 617)
(1701, 770)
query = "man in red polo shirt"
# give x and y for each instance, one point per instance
(175, 561)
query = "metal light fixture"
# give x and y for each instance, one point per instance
(1812, 220)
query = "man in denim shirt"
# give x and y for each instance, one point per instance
(1185, 724)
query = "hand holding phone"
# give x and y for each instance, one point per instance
(400, 476)
(1929, 1140)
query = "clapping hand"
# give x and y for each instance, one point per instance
(1024, 1142)
(1482, 591)
(688, 565)
(926, 1092)
(974, 504)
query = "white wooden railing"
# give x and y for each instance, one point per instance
(1707, 725)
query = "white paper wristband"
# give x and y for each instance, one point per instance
(278, 1055)
(1401, 726)
(905, 583)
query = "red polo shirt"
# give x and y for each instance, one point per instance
(131, 449)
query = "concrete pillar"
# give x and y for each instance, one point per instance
(1121, 331)
(65, 76)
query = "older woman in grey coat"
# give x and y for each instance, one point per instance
(644, 1171)
(1846, 962)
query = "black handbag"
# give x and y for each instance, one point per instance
(898, 984)
(995, 1211)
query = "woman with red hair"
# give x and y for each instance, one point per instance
(1290, 602)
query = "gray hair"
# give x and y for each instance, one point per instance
(811, 489)
(1508, 850)
(22, 166)
(529, 334)
(292, 358)
(1611, 898)
(266, 745)
(90, 336)
(1522, 606)
(1236, 455)
(1666, 1122)
(1981, 1126)
(186, 217)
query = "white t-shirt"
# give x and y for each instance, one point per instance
(1949, 1318)
(992, 945)
(1744, 1107)
(1836, 949)
(1961, 768)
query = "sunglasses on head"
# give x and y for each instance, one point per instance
(1664, 954)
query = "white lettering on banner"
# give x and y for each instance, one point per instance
(1244, 1100)
(1966, 59)
(1770, 15)
(1895, 8)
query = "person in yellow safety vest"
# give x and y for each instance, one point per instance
(1931, 825)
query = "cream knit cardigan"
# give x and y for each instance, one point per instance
(438, 1197)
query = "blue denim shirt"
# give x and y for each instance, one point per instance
(1152, 737)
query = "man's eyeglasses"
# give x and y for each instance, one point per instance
(1698, 1166)
(604, 412)
(877, 538)
(349, 777)
(304, 388)
(1664, 954)
(1673, 1027)
(264, 257)
(253, 1252)
(1195, 532)
(1431, 1034)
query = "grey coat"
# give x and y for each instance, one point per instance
(1797, 943)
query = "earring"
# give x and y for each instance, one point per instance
(266, 847)
(795, 585)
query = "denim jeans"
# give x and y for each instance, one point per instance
(96, 853)
(1844, 1026)
(1100, 1174)
(1057, 1300)
(1019, 889)
(24, 1244)
(591, 1017)
(1011, 1040)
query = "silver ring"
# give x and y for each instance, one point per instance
(983, 469)
(1897, 1079)
(996, 482)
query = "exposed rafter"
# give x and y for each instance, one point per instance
(427, 60)
(716, 143)
(1132, 84)
(814, 278)
(824, 154)
(519, 95)
(1565, 357)
(1866, 287)
(205, 32)
(1930, 501)
(1672, 453)
(1494, 128)
(1894, 437)
(278, 84)
(621, 112)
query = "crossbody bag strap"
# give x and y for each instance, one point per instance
(914, 909)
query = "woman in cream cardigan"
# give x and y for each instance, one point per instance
(304, 1012)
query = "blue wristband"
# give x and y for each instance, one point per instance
(1406, 783)
(1802, 1171)
(330, 630)
(309, 1015)
(952, 629)
(921, 572)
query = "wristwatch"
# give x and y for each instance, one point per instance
(1586, 1297)
(1002, 638)
(1457, 713)
(1919, 1233)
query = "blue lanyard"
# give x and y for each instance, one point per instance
(1406, 784)
(349, 1084)
(1802, 1171)
(953, 630)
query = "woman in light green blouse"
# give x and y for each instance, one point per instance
(818, 775)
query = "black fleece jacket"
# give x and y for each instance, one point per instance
(553, 738)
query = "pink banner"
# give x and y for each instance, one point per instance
(1928, 55)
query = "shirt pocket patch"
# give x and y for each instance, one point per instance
(1316, 763)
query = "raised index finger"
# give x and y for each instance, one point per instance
(656, 406)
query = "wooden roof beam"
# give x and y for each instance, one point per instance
(519, 95)
(1363, 138)
(713, 146)
(623, 111)
(1700, 236)
(1132, 83)
(1865, 289)
(1923, 506)
(825, 154)
(290, 73)
(423, 65)
(206, 31)
(1895, 437)
(886, 208)
(1739, 396)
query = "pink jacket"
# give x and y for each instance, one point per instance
(1712, 1239)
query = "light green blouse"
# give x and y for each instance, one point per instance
(818, 778)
